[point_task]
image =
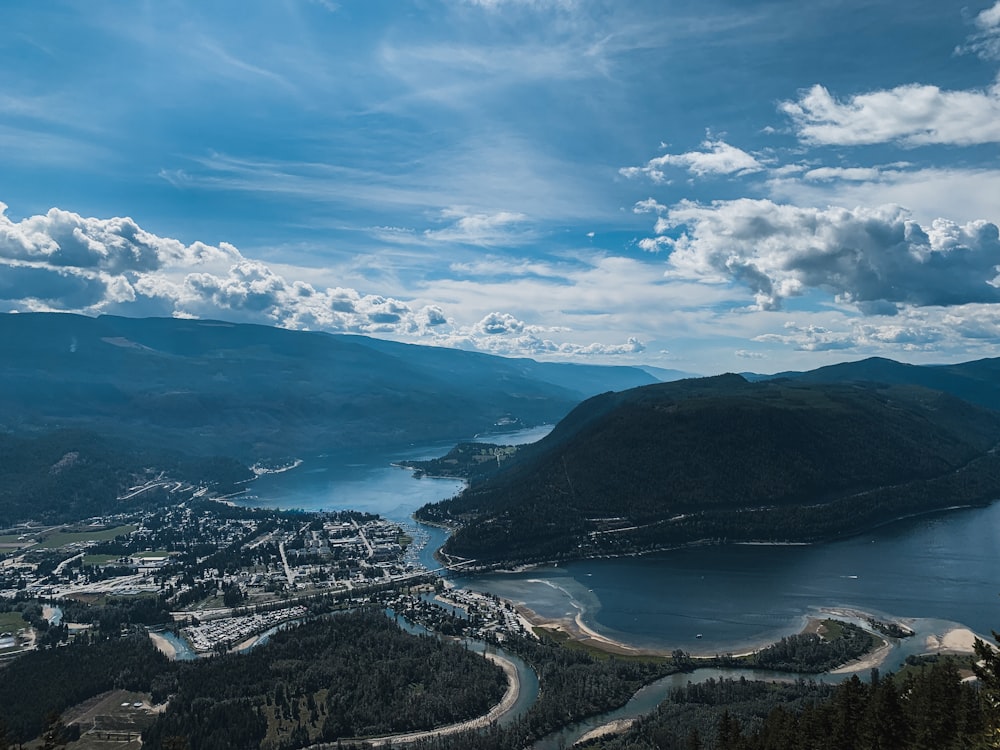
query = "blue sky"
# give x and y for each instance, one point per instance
(707, 186)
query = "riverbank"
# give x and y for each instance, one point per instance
(164, 646)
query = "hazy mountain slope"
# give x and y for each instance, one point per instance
(583, 380)
(723, 458)
(255, 391)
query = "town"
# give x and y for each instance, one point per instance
(210, 576)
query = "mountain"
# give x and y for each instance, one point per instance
(726, 459)
(665, 375)
(257, 392)
(977, 381)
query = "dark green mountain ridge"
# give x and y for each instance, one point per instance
(723, 459)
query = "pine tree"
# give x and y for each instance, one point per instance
(987, 670)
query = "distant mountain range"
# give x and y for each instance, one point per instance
(725, 459)
(977, 382)
(257, 392)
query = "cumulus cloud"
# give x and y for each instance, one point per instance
(503, 334)
(62, 261)
(911, 115)
(117, 245)
(874, 258)
(912, 336)
(717, 158)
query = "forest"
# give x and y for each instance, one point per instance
(721, 459)
(928, 706)
(65, 475)
(349, 675)
(352, 674)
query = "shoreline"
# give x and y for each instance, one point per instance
(485, 568)
(164, 646)
(957, 639)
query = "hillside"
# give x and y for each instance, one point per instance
(66, 475)
(256, 392)
(977, 382)
(724, 459)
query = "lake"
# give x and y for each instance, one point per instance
(939, 569)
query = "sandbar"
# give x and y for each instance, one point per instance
(612, 727)
(163, 645)
(954, 641)
(579, 631)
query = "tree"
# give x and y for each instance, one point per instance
(987, 669)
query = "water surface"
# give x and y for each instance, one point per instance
(941, 568)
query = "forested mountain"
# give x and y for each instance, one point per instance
(67, 475)
(977, 381)
(725, 459)
(253, 392)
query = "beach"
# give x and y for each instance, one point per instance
(954, 641)
(577, 630)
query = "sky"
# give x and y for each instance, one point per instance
(701, 185)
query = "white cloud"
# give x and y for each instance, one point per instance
(484, 229)
(61, 261)
(911, 115)
(963, 194)
(851, 174)
(717, 158)
(986, 41)
(875, 259)
(503, 334)
(118, 245)
(913, 336)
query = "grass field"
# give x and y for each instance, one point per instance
(11, 542)
(152, 553)
(98, 559)
(11, 622)
(62, 538)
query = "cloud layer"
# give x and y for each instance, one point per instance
(62, 261)
(875, 258)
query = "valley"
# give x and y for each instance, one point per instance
(197, 567)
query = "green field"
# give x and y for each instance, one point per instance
(62, 538)
(11, 622)
(11, 541)
(98, 559)
(152, 553)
